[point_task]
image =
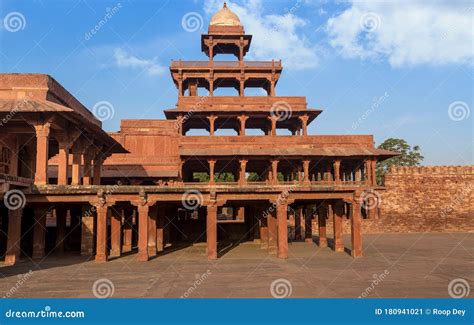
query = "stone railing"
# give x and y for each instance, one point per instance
(395, 170)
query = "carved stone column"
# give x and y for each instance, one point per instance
(338, 213)
(337, 171)
(12, 255)
(306, 171)
(282, 212)
(322, 214)
(39, 232)
(211, 231)
(116, 232)
(272, 232)
(242, 176)
(308, 226)
(212, 119)
(356, 236)
(242, 119)
(304, 124)
(275, 171)
(101, 244)
(42, 152)
(212, 164)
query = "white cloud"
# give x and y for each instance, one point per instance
(123, 59)
(405, 32)
(274, 36)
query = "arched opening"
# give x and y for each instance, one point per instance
(226, 87)
(226, 51)
(196, 87)
(257, 87)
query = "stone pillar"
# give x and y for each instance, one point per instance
(338, 212)
(143, 233)
(242, 176)
(374, 172)
(212, 164)
(304, 124)
(273, 119)
(116, 232)
(322, 214)
(87, 176)
(152, 228)
(61, 215)
(63, 163)
(358, 174)
(298, 213)
(160, 223)
(97, 170)
(306, 171)
(12, 255)
(180, 87)
(87, 231)
(127, 230)
(76, 164)
(211, 85)
(101, 244)
(242, 119)
(282, 212)
(39, 232)
(211, 232)
(356, 237)
(308, 224)
(211, 50)
(337, 171)
(272, 233)
(212, 120)
(42, 153)
(275, 171)
(263, 233)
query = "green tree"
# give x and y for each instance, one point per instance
(408, 156)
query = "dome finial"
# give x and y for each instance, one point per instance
(225, 17)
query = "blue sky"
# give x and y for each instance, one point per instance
(392, 69)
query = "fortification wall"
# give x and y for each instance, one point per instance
(426, 199)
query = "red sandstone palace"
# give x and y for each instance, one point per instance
(142, 188)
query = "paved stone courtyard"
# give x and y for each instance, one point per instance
(394, 265)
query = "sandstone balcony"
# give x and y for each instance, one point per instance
(232, 103)
(225, 64)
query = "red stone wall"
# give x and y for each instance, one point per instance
(428, 198)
